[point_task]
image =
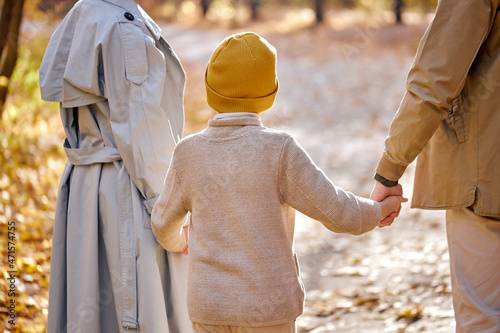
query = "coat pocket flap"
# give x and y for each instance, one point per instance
(134, 52)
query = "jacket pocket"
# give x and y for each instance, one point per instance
(458, 119)
(134, 52)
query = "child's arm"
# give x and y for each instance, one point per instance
(306, 188)
(169, 214)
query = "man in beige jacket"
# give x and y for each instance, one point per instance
(242, 183)
(450, 118)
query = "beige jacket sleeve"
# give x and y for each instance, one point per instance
(306, 188)
(445, 55)
(169, 213)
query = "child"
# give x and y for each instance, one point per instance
(242, 182)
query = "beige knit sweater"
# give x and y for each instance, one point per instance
(241, 182)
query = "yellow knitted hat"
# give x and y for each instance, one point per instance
(241, 75)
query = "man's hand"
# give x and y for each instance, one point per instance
(379, 193)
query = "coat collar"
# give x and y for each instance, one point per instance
(132, 7)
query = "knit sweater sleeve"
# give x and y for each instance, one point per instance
(169, 213)
(306, 188)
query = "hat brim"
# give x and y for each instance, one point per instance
(224, 104)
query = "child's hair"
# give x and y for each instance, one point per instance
(241, 74)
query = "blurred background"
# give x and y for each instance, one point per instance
(342, 67)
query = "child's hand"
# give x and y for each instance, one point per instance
(390, 205)
(186, 233)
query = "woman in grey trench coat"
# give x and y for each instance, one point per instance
(121, 87)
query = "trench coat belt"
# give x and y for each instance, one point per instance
(128, 287)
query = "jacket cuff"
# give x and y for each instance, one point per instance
(150, 203)
(389, 170)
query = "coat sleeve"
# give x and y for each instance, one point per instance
(169, 213)
(437, 76)
(69, 72)
(141, 111)
(306, 188)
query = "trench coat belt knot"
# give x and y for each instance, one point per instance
(88, 156)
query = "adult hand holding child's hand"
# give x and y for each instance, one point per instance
(379, 193)
(390, 205)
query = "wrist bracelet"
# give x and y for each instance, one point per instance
(384, 181)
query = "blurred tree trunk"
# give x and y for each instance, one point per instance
(205, 5)
(398, 10)
(318, 9)
(254, 9)
(10, 21)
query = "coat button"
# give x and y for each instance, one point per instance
(129, 16)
